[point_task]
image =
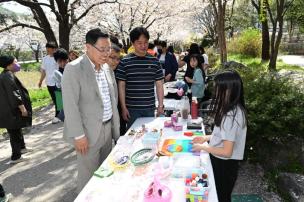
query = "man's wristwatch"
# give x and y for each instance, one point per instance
(161, 106)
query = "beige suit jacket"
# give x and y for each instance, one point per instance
(82, 102)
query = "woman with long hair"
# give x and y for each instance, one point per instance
(227, 141)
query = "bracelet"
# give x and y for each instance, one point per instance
(161, 106)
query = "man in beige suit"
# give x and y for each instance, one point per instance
(90, 106)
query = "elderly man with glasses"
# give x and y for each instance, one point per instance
(90, 104)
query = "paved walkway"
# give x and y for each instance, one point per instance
(50, 173)
(293, 59)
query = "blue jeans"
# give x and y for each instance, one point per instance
(138, 113)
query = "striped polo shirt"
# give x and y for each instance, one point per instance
(140, 74)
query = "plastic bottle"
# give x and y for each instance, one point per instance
(194, 108)
(185, 109)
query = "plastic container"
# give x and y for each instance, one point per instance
(185, 108)
(174, 118)
(150, 139)
(194, 108)
(197, 186)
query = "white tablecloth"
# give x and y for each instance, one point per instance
(124, 186)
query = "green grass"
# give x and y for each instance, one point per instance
(29, 79)
(256, 63)
(34, 66)
(39, 97)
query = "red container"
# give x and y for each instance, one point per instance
(194, 109)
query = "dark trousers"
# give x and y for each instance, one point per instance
(138, 113)
(2, 193)
(225, 174)
(52, 90)
(17, 142)
(123, 124)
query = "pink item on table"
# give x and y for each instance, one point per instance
(177, 127)
(168, 124)
(157, 192)
(174, 118)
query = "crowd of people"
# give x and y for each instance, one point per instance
(100, 94)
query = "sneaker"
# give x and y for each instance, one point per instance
(26, 150)
(6, 198)
(55, 120)
(11, 162)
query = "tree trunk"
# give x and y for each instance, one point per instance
(276, 40)
(49, 35)
(262, 11)
(64, 34)
(221, 32)
(276, 45)
(290, 30)
(265, 41)
(124, 45)
(43, 22)
(272, 62)
(37, 55)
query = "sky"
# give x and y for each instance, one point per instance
(16, 7)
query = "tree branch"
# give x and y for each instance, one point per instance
(53, 9)
(255, 5)
(22, 25)
(269, 12)
(89, 8)
(287, 7)
(151, 23)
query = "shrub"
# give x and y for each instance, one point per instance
(20, 55)
(32, 66)
(275, 111)
(247, 43)
(213, 57)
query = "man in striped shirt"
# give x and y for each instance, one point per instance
(137, 74)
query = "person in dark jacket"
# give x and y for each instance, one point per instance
(15, 107)
(167, 60)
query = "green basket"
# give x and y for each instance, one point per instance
(59, 103)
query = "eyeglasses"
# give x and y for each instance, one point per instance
(103, 49)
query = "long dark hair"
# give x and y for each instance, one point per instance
(228, 95)
(200, 61)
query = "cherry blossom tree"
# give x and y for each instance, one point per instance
(66, 14)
